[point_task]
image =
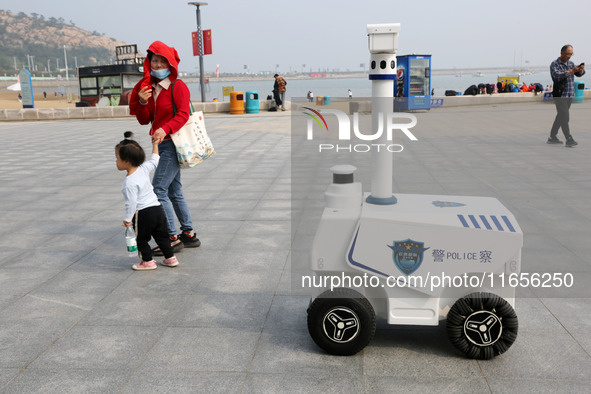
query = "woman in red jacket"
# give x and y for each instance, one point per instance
(151, 102)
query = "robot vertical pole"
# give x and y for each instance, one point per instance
(383, 43)
(382, 160)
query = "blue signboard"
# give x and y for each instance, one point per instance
(26, 89)
(436, 102)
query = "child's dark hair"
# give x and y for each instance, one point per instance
(129, 150)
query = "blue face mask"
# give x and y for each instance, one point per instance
(160, 74)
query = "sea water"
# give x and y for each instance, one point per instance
(333, 87)
(360, 87)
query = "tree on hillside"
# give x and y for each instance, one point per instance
(22, 49)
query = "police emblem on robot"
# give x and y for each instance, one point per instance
(407, 255)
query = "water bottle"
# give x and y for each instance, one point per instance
(130, 241)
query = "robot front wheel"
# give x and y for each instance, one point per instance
(482, 325)
(342, 321)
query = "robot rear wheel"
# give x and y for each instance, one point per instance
(482, 325)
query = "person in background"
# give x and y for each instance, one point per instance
(280, 90)
(563, 72)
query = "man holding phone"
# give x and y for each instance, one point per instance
(563, 73)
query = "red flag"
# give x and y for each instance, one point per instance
(207, 42)
(195, 39)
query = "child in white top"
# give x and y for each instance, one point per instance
(142, 208)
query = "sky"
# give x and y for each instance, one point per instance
(319, 35)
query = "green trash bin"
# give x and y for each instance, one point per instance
(326, 100)
(579, 92)
(252, 102)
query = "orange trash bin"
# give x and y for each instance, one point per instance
(236, 103)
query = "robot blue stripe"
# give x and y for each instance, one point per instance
(461, 217)
(353, 262)
(496, 222)
(474, 221)
(483, 218)
(382, 76)
(508, 223)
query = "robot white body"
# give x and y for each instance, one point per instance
(425, 250)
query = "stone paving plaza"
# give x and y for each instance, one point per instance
(74, 318)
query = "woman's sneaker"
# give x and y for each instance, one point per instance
(176, 244)
(145, 266)
(190, 241)
(554, 140)
(171, 262)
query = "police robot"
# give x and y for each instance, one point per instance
(410, 259)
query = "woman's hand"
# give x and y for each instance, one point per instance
(158, 136)
(144, 94)
(126, 224)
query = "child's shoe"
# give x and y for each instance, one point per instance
(145, 266)
(171, 262)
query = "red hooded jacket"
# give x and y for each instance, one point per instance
(160, 112)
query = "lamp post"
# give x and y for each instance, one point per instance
(200, 38)
(66, 62)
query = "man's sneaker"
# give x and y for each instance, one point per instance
(190, 241)
(554, 141)
(176, 243)
(570, 143)
(145, 266)
(171, 262)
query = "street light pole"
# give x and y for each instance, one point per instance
(66, 61)
(200, 38)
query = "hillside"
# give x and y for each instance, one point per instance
(35, 40)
